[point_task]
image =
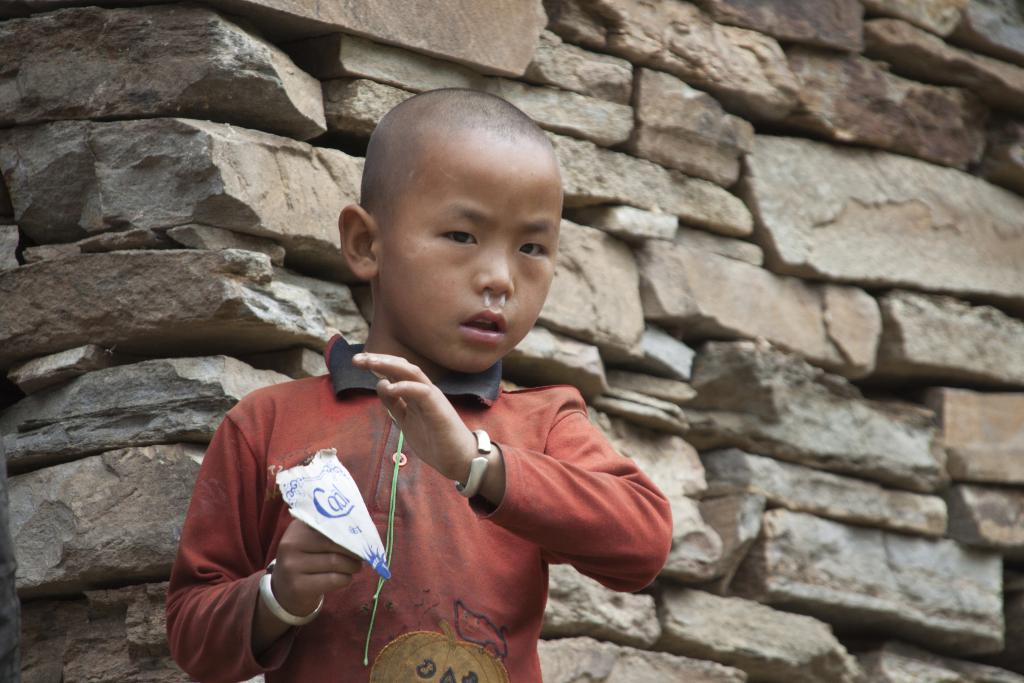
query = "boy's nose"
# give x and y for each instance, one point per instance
(495, 281)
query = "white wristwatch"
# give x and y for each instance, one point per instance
(478, 466)
(267, 595)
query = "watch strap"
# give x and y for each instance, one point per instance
(478, 466)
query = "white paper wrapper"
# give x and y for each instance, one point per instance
(323, 495)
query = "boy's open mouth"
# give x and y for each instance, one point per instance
(487, 321)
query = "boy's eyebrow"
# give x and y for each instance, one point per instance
(479, 218)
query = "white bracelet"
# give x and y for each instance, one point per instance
(267, 594)
(478, 466)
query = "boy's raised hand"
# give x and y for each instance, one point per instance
(422, 411)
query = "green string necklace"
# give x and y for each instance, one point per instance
(389, 545)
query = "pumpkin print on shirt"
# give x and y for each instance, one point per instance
(423, 656)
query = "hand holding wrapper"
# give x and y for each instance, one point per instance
(324, 496)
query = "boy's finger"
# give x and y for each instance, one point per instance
(394, 368)
(407, 390)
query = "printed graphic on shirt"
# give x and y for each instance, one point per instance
(477, 628)
(423, 656)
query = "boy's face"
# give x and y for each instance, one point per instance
(479, 218)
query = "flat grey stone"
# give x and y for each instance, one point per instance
(627, 222)
(297, 362)
(169, 301)
(544, 357)
(207, 237)
(569, 67)
(108, 635)
(994, 27)
(987, 517)
(768, 644)
(504, 33)
(584, 660)
(592, 175)
(116, 515)
(764, 401)
(39, 373)
(121, 240)
(642, 410)
(671, 390)
(9, 239)
(580, 606)
(595, 294)
(939, 338)
(891, 583)
(157, 401)
(804, 489)
(736, 518)
(671, 463)
(659, 354)
(702, 240)
(896, 662)
(745, 70)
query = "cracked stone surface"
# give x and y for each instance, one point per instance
(891, 583)
(68, 522)
(872, 213)
(705, 295)
(939, 338)
(584, 660)
(155, 401)
(805, 489)
(544, 357)
(768, 644)
(168, 302)
(580, 606)
(765, 401)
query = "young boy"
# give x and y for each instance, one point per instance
(457, 233)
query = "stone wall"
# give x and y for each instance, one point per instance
(791, 286)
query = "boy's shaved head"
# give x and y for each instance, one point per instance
(437, 115)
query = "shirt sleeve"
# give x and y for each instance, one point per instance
(585, 504)
(214, 583)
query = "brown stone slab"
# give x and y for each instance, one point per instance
(983, 434)
(705, 295)
(123, 69)
(505, 31)
(849, 98)
(925, 57)
(834, 24)
(684, 128)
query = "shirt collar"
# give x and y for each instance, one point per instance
(484, 385)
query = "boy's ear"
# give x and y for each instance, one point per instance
(359, 236)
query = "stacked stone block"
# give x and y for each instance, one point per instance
(791, 286)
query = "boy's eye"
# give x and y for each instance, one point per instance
(460, 237)
(533, 249)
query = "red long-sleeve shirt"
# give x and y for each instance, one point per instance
(569, 498)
